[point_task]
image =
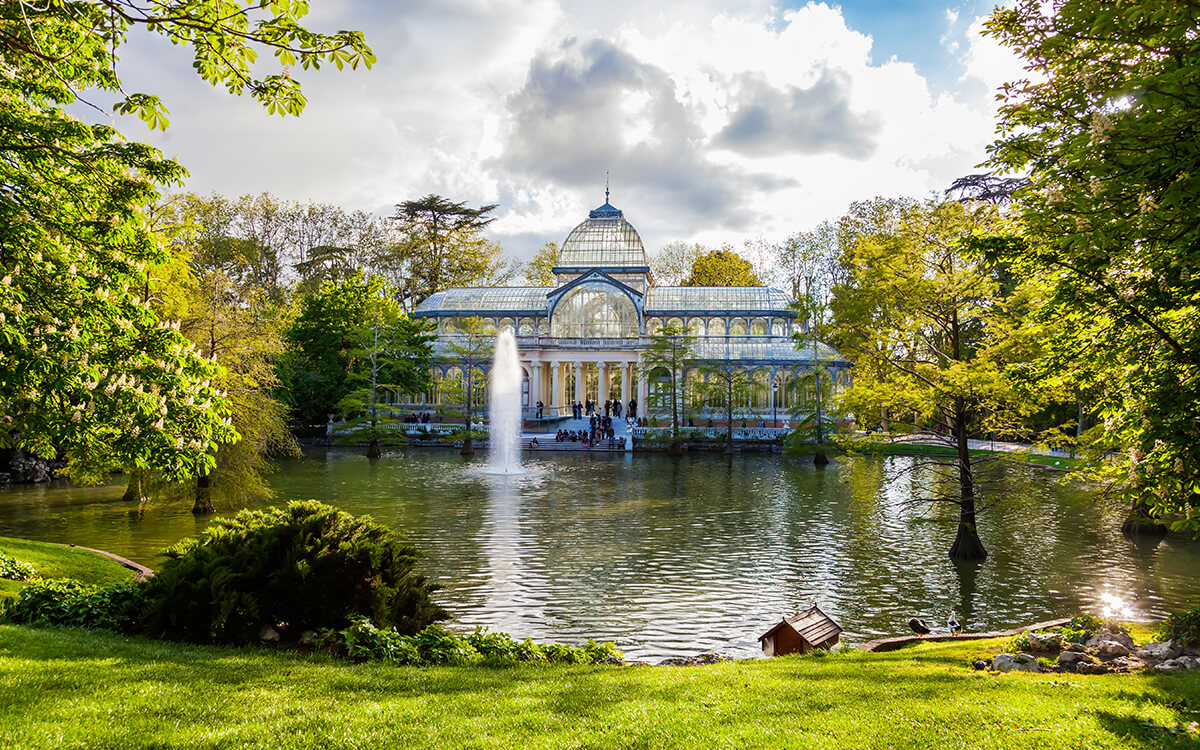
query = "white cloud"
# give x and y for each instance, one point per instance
(719, 122)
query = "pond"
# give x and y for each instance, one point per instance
(669, 557)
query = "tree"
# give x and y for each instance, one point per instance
(1107, 127)
(393, 353)
(674, 261)
(442, 246)
(539, 271)
(87, 369)
(318, 361)
(726, 384)
(471, 349)
(670, 349)
(921, 309)
(721, 268)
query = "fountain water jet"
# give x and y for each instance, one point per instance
(504, 408)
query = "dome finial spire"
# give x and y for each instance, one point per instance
(606, 186)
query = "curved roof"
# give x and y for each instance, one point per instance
(605, 240)
(760, 349)
(481, 300)
(661, 300)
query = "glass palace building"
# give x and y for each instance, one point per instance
(582, 339)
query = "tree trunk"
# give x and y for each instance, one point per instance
(1139, 522)
(373, 448)
(203, 502)
(468, 446)
(133, 490)
(967, 545)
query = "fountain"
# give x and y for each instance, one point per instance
(504, 409)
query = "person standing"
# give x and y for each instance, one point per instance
(608, 407)
(540, 407)
(633, 408)
(617, 409)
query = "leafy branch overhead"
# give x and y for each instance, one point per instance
(226, 39)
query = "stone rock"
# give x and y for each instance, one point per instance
(1015, 663)
(980, 664)
(707, 657)
(1078, 648)
(1067, 658)
(614, 661)
(1112, 648)
(1092, 668)
(1128, 664)
(1160, 650)
(267, 634)
(1045, 641)
(1108, 635)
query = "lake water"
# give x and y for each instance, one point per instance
(673, 556)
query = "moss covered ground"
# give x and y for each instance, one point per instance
(54, 561)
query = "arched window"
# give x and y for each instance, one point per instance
(737, 327)
(696, 326)
(675, 322)
(653, 326)
(758, 327)
(594, 310)
(526, 327)
(506, 324)
(449, 325)
(760, 393)
(694, 391)
(542, 328)
(716, 326)
(778, 328)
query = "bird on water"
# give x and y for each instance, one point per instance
(918, 626)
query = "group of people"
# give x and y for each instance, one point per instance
(594, 436)
(612, 409)
(421, 418)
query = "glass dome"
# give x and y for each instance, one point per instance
(594, 310)
(605, 240)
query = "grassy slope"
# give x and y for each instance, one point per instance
(53, 561)
(62, 688)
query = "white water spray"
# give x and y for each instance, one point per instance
(504, 409)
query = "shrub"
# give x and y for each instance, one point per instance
(74, 604)
(16, 570)
(304, 567)
(1181, 627)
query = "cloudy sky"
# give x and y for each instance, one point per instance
(718, 121)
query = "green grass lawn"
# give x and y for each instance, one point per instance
(64, 688)
(53, 561)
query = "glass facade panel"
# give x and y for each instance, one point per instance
(603, 242)
(778, 328)
(506, 324)
(675, 323)
(696, 326)
(758, 327)
(594, 310)
(737, 327)
(716, 327)
(526, 327)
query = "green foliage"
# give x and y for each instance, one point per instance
(65, 602)
(15, 570)
(436, 646)
(1181, 627)
(1106, 127)
(721, 268)
(672, 264)
(669, 351)
(304, 567)
(539, 271)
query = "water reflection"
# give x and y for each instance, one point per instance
(668, 556)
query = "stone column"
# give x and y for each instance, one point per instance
(643, 394)
(535, 386)
(626, 372)
(556, 399)
(578, 382)
(601, 385)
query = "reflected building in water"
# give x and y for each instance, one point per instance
(582, 339)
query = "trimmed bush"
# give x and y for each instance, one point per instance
(303, 567)
(1181, 627)
(73, 604)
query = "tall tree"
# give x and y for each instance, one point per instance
(538, 271)
(920, 308)
(725, 385)
(669, 350)
(85, 367)
(1107, 127)
(393, 354)
(673, 262)
(721, 268)
(471, 350)
(442, 245)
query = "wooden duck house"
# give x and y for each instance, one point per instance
(799, 634)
